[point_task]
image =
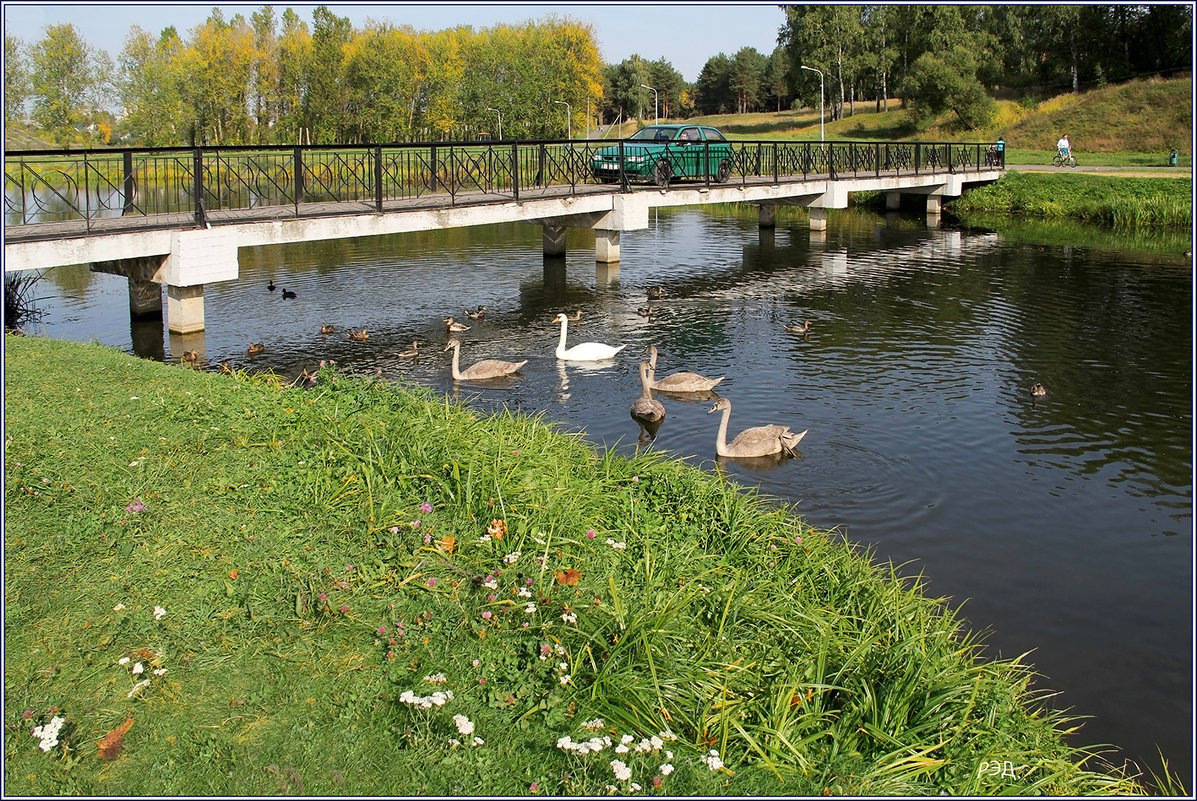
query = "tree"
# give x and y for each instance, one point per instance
(66, 82)
(324, 105)
(935, 85)
(294, 55)
(148, 87)
(384, 70)
(776, 87)
(715, 95)
(17, 86)
(746, 78)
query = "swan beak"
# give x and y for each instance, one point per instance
(713, 409)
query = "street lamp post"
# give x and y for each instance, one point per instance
(569, 125)
(495, 110)
(822, 138)
(656, 119)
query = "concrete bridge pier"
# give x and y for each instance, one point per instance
(767, 216)
(185, 309)
(145, 290)
(606, 246)
(818, 219)
(893, 201)
(554, 240)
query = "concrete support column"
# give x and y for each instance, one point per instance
(818, 219)
(185, 309)
(554, 240)
(893, 201)
(606, 246)
(767, 216)
(934, 204)
(145, 299)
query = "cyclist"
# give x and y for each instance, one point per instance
(1065, 147)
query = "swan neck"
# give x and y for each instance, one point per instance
(456, 361)
(561, 341)
(721, 438)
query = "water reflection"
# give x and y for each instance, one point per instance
(1065, 521)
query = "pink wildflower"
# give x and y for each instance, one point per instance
(425, 507)
(344, 609)
(431, 582)
(590, 534)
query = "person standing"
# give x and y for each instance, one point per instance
(1064, 146)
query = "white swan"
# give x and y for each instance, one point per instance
(487, 368)
(677, 382)
(757, 441)
(584, 352)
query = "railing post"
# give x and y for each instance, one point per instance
(297, 166)
(197, 181)
(776, 166)
(951, 164)
(877, 159)
(918, 157)
(623, 173)
(515, 171)
(378, 177)
(128, 182)
(831, 162)
(86, 194)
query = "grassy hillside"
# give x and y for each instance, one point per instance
(1141, 116)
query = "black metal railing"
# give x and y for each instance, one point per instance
(211, 185)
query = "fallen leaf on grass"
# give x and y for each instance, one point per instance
(567, 577)
(110, 746)
(234, 573)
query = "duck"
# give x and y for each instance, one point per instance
(1038, 390)
(477, 314)
(288, 293)
(646, 410)
(190, 355)
(756, 441)
(327, 329)
(480, 371)
(575, 317)
(677, 382)
(646, 311)
(656, 292)
(586, 351)
(271, 285)
(360, 335)
(451, 326)
(796, 328)
(411, 352)
(255, 348)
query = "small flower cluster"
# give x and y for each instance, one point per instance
(137, 668)
(438, 698)
(48, 734)
(619, 546)
(465, 727)
(712, 760)
(627, 744)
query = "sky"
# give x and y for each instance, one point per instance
(684, 34)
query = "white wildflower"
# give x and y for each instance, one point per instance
(465, 726)
(621, 749)
(712, 760)
(597, 723)
(159, 613)
(484, 538)
(124, 660)
(566, 679)
(666, 769)
(524, 592)
(479, 741)
(569, 617)
(530, 609)
(118, 608)
(138, 669)
(622, 771)
(48, 734)
(512, 557)
(491, 583)
(138, 687)
(436, 678)
(160, 672)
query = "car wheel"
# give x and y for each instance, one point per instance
(724, 172)
(663, 173)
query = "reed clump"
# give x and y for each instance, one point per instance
(364, 589)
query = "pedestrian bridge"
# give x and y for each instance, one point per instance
(178, 217)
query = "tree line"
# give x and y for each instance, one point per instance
(278, 79)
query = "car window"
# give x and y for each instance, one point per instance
(690, 135)
(653, 133)
(714, 135)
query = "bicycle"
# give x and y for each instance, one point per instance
(1062, 160)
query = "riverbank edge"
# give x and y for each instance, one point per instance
(151, 486)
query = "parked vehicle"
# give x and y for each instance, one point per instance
(663, 153)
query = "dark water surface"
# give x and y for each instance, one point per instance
(1062, 524)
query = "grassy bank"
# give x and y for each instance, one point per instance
(1091, 198)
(221, 586)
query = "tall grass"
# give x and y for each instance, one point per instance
(321, 557)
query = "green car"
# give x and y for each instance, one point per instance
(663, 153)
